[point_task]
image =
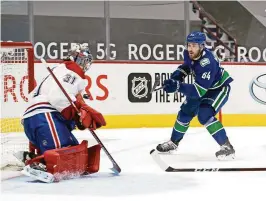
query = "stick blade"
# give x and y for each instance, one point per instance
(156, 156)
(116, 170)
(158, 160)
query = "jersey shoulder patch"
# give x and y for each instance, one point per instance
(204, 62)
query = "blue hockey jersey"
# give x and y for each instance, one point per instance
(207, 73)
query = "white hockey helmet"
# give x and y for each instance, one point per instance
(80, 53)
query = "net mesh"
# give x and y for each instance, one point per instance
(14, 91)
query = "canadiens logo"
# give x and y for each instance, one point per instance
(139, 87)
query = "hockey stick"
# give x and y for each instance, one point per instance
(159, 88)
(168, 168)
(156, 83)
(116, 169)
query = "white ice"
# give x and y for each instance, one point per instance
(142, 179)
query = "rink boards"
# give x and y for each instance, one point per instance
(121, 91)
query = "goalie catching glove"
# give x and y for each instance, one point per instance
(87, 117)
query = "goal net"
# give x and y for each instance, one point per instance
(17, 80)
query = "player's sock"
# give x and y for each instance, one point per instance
(217, 131)
(178, 131)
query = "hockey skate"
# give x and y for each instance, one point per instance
(227, 150)
(24, 156)
(167, 147)
(38, 171)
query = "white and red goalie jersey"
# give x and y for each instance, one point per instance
(48, 97)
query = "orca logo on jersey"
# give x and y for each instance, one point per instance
(204, 62)
(139, 87)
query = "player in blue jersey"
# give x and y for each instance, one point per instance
(204, 98)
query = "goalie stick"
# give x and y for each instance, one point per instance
(168, 168)
(116, 169)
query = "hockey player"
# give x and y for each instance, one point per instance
(50, 118)
(204, 98)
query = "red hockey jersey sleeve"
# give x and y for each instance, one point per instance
(73, 66)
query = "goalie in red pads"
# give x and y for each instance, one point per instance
(50, 118)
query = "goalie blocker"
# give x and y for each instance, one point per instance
(57, 164)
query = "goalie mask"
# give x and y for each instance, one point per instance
(80, 53)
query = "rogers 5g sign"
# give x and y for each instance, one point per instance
(59, 50)
(157, 52)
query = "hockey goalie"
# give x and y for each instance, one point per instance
(49, 119)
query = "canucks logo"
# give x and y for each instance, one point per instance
(204, 62)
(139, 86)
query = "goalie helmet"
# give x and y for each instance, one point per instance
(80, 53)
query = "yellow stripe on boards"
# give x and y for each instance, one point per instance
(168, 120)
(244, 119)
(151, 120)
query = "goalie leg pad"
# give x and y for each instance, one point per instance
(66, 162)
(94, 159)
(73, 160)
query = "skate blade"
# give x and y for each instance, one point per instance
(225, 158)
(38, 175)
(171, 152)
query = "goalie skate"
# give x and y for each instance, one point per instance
(23, 156)
(38, 171)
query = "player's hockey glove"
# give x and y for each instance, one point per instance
(171, 86)
(180, 73)
(91, 118)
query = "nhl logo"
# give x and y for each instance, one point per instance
(139, 87)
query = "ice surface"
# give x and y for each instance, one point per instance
(142, 179)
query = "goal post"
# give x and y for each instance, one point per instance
(17, 81)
